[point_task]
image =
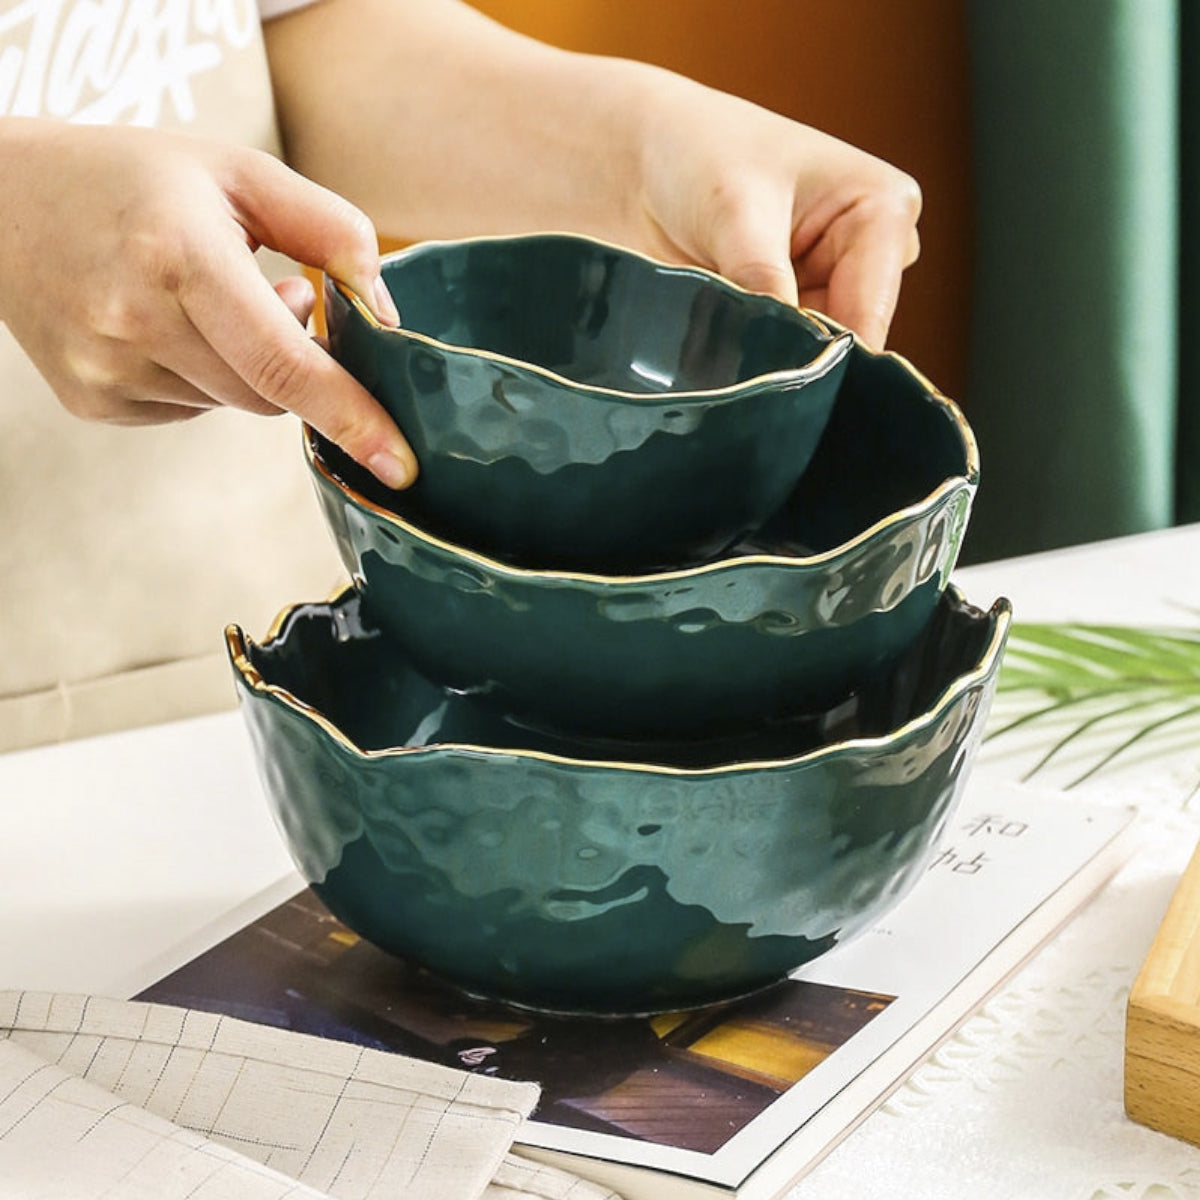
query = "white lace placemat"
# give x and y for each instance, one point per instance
(1026, 1100)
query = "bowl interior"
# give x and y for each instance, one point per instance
(331, 658)
(890, 443)
(596, 314)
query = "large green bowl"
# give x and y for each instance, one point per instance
(575, 405)
(552, 873)
(827, 593)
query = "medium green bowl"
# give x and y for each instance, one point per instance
(823, 597)
(575, 405)
(554, 874)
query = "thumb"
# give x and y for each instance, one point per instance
(285, 211)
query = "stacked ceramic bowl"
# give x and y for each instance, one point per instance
(653, 687)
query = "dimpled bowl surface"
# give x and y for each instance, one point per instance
(551, 874)
(572, 404)
(825, 595)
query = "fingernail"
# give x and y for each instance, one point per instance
(391, 468)
(385, 306)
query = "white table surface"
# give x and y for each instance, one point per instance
(116, 850)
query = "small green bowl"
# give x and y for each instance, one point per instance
(824, 596)
(554, 874)
(575, 405)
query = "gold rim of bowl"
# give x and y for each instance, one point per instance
(950, 485)
(824, 362)
(236, 642)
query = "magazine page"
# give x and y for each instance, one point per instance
(709, 1094)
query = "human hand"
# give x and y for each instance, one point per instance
(773, 205)
(128, 276)
(612, 147)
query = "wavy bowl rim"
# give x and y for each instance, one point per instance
(1000, 613)
(941, 495)
(833, 354)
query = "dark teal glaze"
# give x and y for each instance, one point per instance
(544, 873)
(827, 594)
(575, 405)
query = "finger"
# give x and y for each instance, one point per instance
(816, 298)
(297, 293)
(859, 256)
(314, 226)
(864, 285)
(199, 373)
(751, 246)
(106, 390)
(260, 340)
(160, 386)
(192, 372)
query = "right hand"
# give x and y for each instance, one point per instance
(127, 273)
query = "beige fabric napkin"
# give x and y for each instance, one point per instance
(131, 1101)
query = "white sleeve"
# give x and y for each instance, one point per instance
(276, 8)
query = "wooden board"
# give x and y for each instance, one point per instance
(1162, 1027)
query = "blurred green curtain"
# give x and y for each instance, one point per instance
(1084, 378)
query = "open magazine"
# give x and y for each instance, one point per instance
(736, 1100)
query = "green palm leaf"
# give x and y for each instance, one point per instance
(1095, 694)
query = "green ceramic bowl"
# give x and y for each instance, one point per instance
(554, 874)
(828, 592)
(575, 405)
